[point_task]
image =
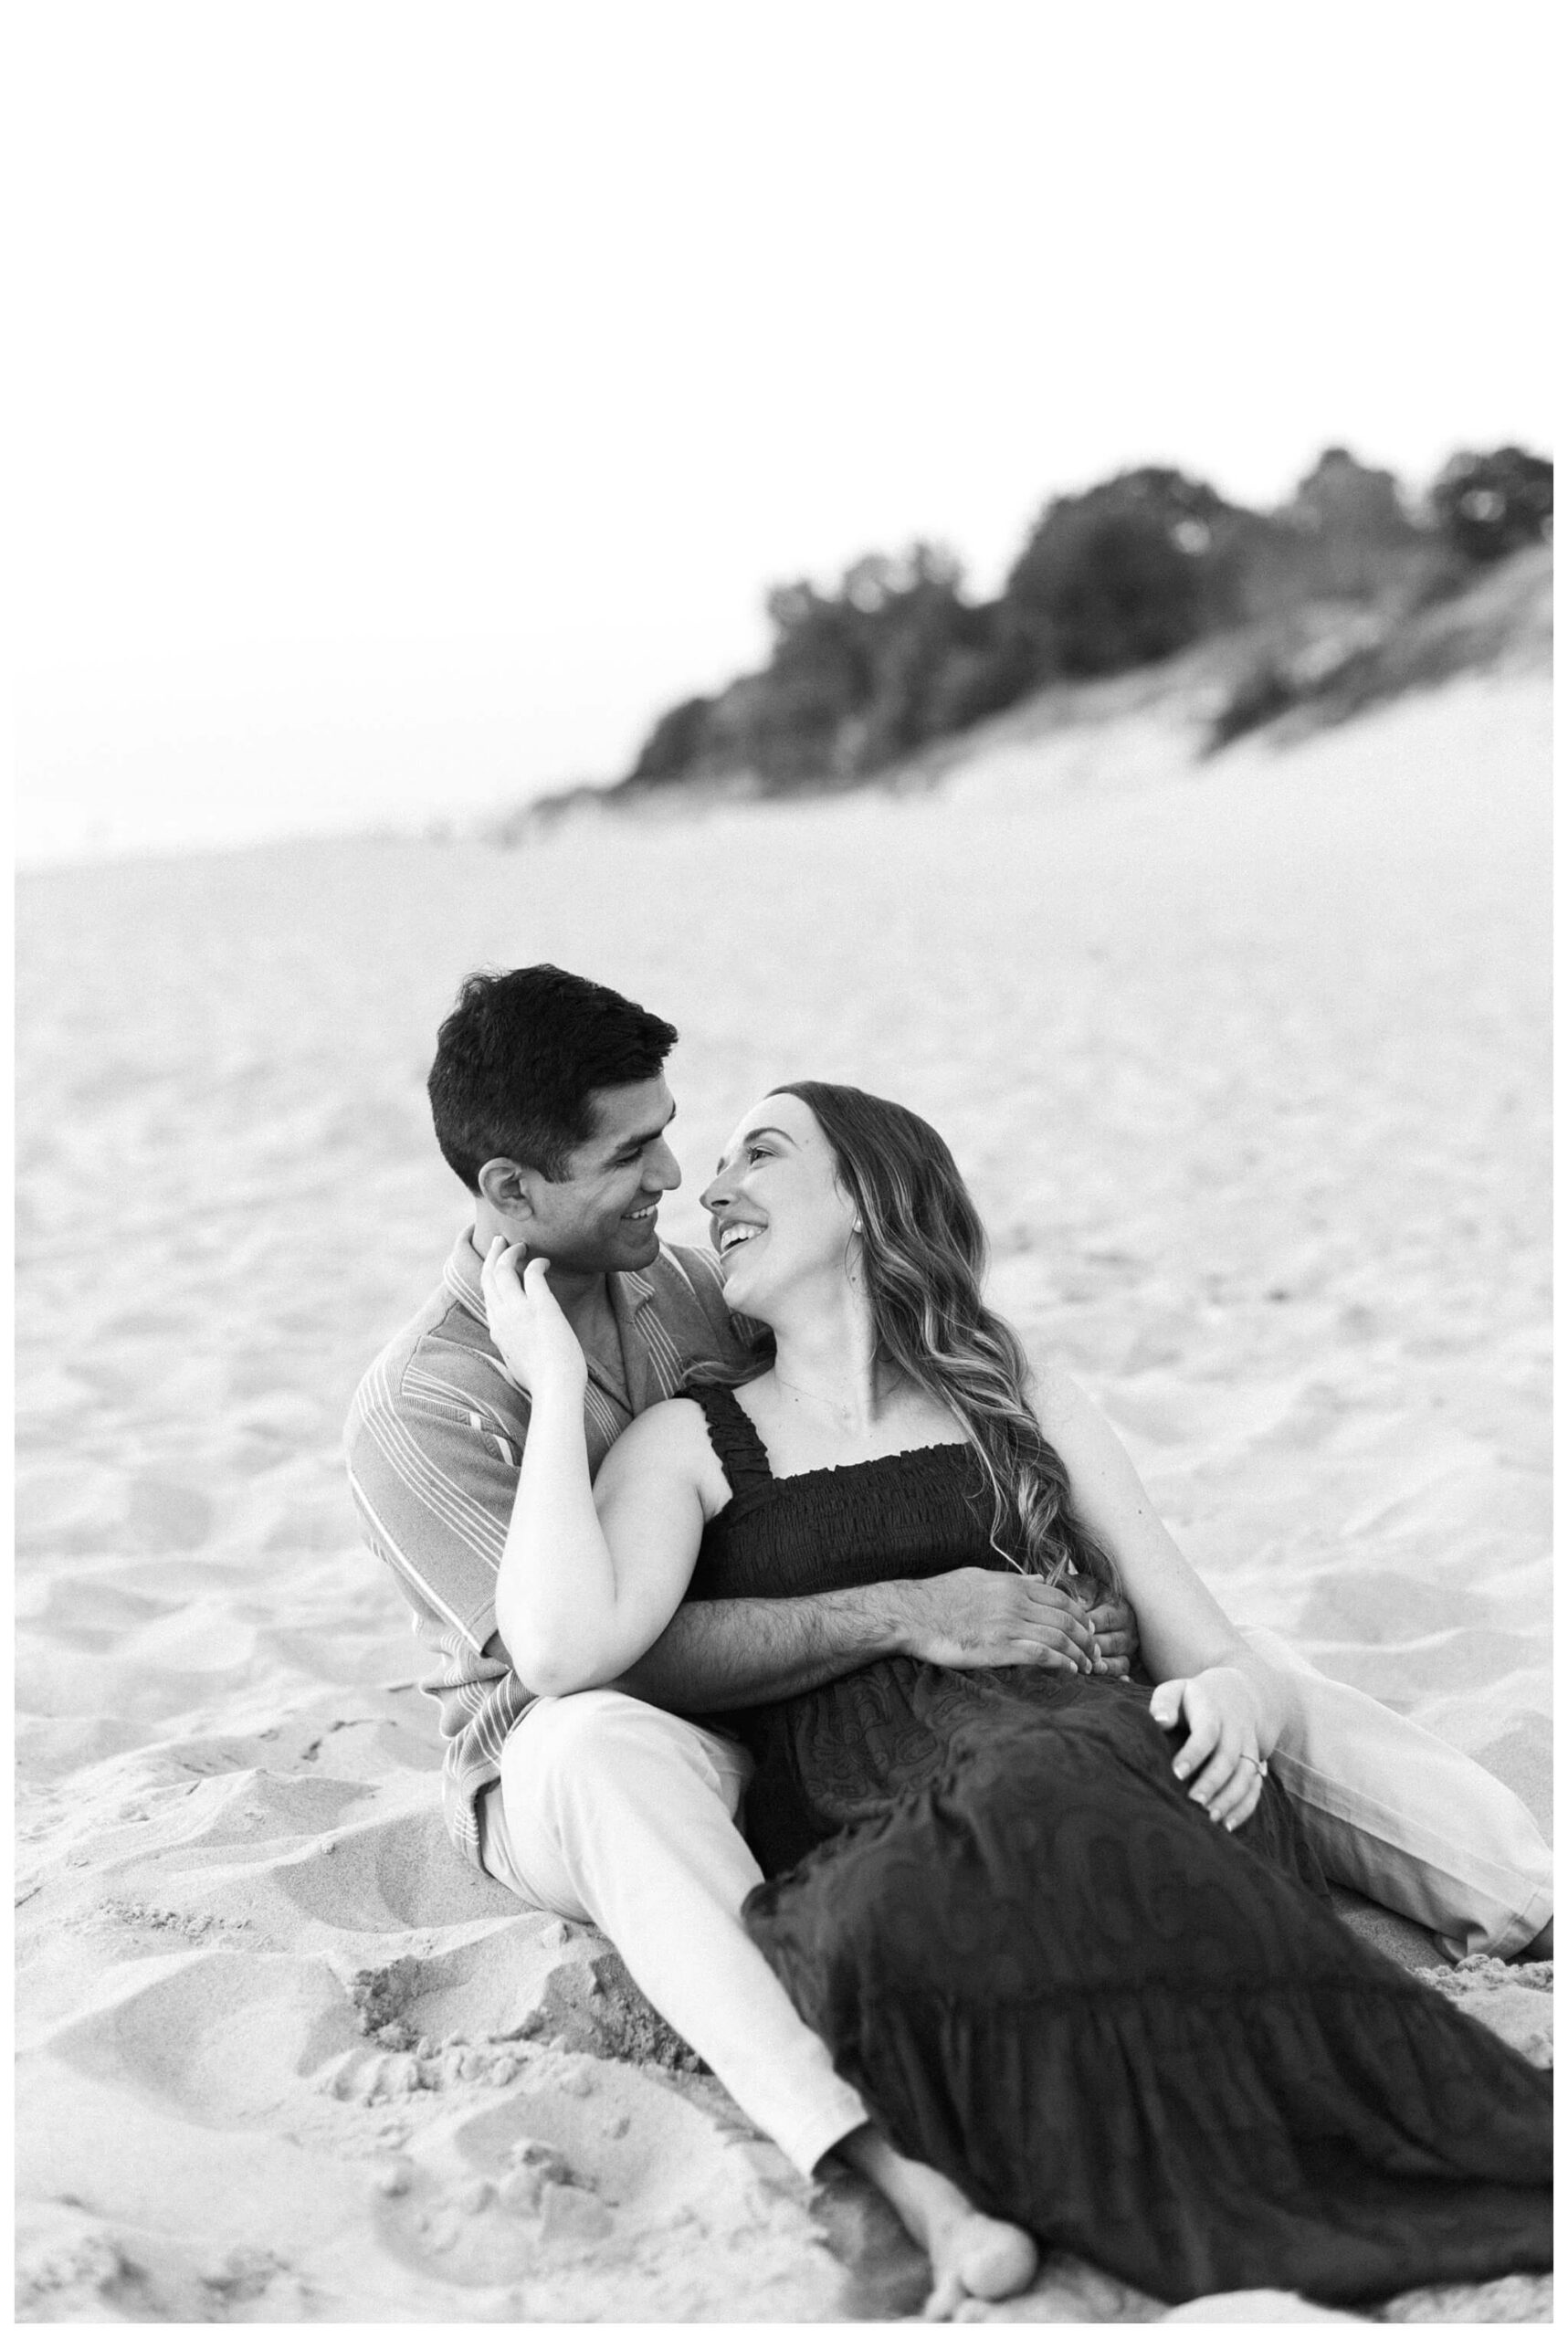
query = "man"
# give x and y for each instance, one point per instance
(550, 1104)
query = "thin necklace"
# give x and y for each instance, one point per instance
(878, 1396)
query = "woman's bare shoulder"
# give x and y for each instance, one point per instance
(675, 1425)
(1075, 1425)
(1058, 1400)
(670, 1442)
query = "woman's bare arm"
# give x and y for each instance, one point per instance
(1187, 1637)
(590, 1576)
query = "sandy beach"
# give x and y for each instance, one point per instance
(1248, 1064)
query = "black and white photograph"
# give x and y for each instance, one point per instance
(783, 1258)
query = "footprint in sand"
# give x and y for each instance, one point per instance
(489, 2215)
(582, 2171)
(210, 2033)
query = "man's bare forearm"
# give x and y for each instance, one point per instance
(718, 1655)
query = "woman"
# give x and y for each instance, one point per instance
(1089, 1986)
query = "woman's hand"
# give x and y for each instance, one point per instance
(1221, 1753)
(1115, 1630)
(537, 1344)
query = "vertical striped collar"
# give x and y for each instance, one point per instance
(460, 1277)
(653, 1362)
(653, 1365)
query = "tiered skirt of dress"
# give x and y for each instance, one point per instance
(1050, 1975)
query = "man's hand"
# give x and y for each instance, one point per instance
(1115, 1629)
(979, 1615)
(1222, 1755)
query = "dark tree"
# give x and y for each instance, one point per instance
(1353, 534)
(1123, 574)
(674, 746)
(1490, 505)
(1341, 496)
(854, 675)
(820, 678)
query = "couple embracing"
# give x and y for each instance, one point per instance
(1029, 1919)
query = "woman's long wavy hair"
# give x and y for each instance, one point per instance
(924, 1254)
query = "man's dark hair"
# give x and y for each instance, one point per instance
(517, 1061)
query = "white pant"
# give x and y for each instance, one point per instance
(1405, 1818)
(615, 1813)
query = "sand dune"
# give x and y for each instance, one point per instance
(1248, 1064)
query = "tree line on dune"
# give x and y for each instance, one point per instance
(1130, 572)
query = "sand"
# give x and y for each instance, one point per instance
(1246, 1061)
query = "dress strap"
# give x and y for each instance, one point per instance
(740, 1452)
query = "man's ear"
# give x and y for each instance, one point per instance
(508, 1187)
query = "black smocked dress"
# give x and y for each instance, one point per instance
(1052, 1977)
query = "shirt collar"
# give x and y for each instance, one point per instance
(461, 1277)
(629, 1293)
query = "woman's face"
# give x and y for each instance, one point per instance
(779, 1217)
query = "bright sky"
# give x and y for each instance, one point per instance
(416, 399)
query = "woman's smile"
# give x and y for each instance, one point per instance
(735, 1234)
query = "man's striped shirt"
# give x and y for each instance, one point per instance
(434, 1441)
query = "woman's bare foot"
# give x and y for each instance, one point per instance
(972, 2256)
(977, 2257)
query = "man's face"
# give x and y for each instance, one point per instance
(602, 1218)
